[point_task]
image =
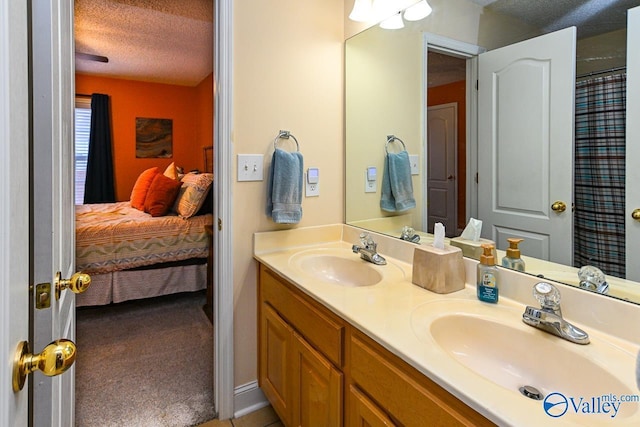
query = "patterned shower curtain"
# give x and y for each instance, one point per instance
(599, 235)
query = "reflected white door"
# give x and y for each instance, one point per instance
(442, 167)
(525, 144)
(14, 199)
(632, 192)
(53, 205)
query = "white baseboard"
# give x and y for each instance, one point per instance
(248, 398)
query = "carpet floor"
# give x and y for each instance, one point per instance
(145, 363)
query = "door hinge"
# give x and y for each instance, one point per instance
(476, 178)
(219, 224)
(477, 84)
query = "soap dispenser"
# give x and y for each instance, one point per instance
(487, 281)
(512, 260)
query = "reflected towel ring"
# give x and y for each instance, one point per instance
(285, 134)
(392, 138)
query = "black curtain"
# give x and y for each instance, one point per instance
(98, 186)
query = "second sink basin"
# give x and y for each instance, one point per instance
(494, 343)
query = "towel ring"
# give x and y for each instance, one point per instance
(392, 138)
(285, 134)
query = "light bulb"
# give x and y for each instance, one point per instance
(362, 11)
(418, 11)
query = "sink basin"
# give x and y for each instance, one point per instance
(493, 343)
(341, 267)
(348, 272)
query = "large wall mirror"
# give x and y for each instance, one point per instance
(418, 84)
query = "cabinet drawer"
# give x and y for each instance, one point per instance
(323, 329)
(402, 391)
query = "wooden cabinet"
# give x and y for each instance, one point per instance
(309, 357)
(301, 353)
(275, 360)
(317, 387)
(401, 391)
(363, 412)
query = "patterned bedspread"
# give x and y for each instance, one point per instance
(115, 236)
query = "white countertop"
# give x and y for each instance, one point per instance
(388, 313)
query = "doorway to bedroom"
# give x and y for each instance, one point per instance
(144, 327)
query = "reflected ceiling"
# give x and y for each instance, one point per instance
(592, 17)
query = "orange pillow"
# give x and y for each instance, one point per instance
(161, 195)
(141, 187)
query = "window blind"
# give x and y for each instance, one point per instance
(82, 129)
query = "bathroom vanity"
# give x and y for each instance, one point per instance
(316, 368)
(346, 342)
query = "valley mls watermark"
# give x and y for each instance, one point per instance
(557, 404)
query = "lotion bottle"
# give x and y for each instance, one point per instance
(487, 281)
(512, 260)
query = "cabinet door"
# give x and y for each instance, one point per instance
(363, 412)
(317, 386)
(275, 367)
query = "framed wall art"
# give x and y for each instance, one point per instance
(154, 138)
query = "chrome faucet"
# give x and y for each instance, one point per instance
(368, 250)
(549, 317)
(409, 234)
(593, 279)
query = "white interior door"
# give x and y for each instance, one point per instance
(442, 140)
(632, 189)
(14, 198)
(53, 205)
(525, 144)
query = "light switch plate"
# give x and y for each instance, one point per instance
(250, 167)
(414, 159)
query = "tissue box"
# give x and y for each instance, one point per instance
(438, 270)
(470, 248)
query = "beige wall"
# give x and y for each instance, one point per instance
(383, 73)
(288, 74)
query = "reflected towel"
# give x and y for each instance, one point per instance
(284, 189)
(397, 187)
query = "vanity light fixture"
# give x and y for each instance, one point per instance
(394, 22)
(362, 11)
(390, 10)
(418, 11)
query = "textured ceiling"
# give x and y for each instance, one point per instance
(164, 41)
(591, 17)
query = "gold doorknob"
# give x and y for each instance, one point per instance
(636, 214)
(78, 283)
(54, 359)
(559, 206)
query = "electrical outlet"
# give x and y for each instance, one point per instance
(370, 185)
(414, 160)
(250, 167)
(312, 181)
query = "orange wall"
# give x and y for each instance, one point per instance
(456, 92)
(131, 99)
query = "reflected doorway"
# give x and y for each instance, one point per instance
(446, 142)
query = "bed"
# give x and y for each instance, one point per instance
(132, 254)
